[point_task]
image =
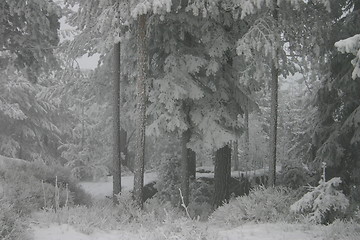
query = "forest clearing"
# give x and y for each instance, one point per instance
(179, 119)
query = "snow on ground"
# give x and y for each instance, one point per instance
(280, 231)
(270, 231)
(67, 232)
(101, 189)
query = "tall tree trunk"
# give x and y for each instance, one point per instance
(185, 138)
(116, 124)
(222, 175)
(274, 101)
(141, 108)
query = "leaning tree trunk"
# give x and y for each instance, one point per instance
(116, 171)
(274, 102)
(222, 175)
(141, 108)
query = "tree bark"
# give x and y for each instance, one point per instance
(185, 167)
(274, 101)
(116, 171)
(185, 138)
(141, 109)
(247, 137)
(123, 147)
(192, 163)
(222, 175)
(236, 155)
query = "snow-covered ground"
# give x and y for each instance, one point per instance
(246, 232)
(251, 231)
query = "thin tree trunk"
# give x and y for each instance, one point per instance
(236, 155)
(185, 167)
(222, 175)
(274, 103)
(116, 125)
(141, 108)
(123, 147)
(247, 137)
(185, 138)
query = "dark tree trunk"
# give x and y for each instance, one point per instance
(247, 137)
(235, 157)
(192, 163)
(274, 103)
(185, 138)
(116, 171)
(123, 148)
(222, 175)
(141, 109)
(185, 167)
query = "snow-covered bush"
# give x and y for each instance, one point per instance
(261, 205)
(324, 202)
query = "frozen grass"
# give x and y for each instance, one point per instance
(344, 230)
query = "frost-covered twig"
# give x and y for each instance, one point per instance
(183, 204)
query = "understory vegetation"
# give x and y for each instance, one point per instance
(39, 201)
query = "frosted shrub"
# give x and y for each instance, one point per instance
(261, 205)
(323, 201)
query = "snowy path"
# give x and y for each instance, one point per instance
(99, 190)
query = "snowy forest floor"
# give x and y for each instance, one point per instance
(279, 231)
(174, 229)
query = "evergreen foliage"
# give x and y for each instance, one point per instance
(28, 35)
(323, 202)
